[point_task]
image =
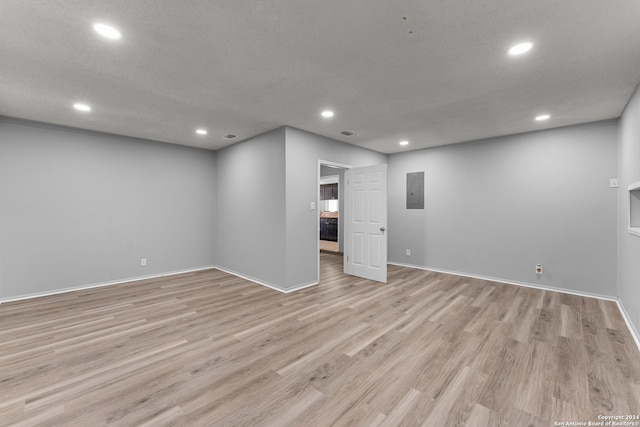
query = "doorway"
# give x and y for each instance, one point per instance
(361, 218)
(330, 208)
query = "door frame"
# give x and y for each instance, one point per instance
(332, 179)
(340, 189)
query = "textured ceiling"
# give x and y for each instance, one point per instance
(430, 71)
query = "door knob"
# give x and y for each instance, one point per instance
(382, 229)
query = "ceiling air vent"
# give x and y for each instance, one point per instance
(348, 133)
(230, 136)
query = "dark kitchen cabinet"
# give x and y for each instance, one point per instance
(329, 192)
(329, 229)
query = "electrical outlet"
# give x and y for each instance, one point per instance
(143, 262)
(539, 269)
(408, 252)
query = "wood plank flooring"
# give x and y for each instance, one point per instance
(326, 245)
(210, 349)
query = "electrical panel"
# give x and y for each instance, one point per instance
(415, 190)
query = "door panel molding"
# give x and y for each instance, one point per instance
(365, 222)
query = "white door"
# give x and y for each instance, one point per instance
(365, 223)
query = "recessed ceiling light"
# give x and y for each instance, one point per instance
(520, 48)
(327, 114)
(542, 117)
(81, 107)
(201, 131)
(107, 31)
(404, 142)
(230, 136)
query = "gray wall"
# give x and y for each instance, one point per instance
(629, 245)
(303, 151)
(251, 208)
(80, 208)
(497, 207)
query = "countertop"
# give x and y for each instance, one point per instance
(326, 214)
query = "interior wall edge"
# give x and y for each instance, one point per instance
(627, 319)
(268, 284)
(250, 218)
(252, 279)
(628, 268)
(130, 280)
(301, 286)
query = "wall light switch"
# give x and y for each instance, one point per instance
(312, 206)
(613, 183)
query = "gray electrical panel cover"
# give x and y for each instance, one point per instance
(415, 190)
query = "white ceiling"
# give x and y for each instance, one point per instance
(440, 76)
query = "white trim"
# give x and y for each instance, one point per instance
(623, 311)
(329, 179)
(340, 190)
(627, 319)
(630, 325)
(634, 186)
(332, 163)
(633, 230)
(153, 276)
(510, 282)
(251, 279)
(102, 284)
(301, 286)
(267, 284)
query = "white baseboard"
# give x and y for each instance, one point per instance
(301, 286)
(632, 330)
(153, 276)
(267, 284)
(510, 282)
(99, 285)
(630, 325)
(623, 311)
(251, 279)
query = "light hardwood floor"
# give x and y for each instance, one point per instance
(210, 349)
(326, 245)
